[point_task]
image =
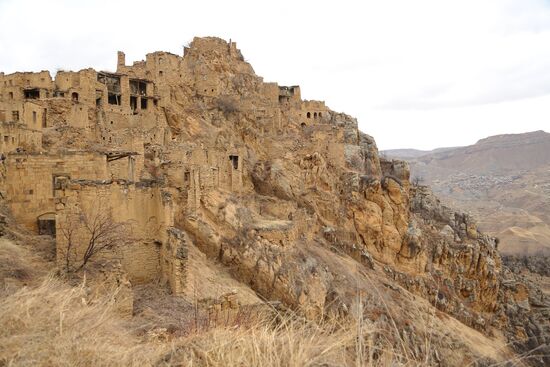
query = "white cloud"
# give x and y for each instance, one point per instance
(421, 73)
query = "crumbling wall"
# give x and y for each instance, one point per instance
(15, 136)
(163, 67)
(124, 166)
(313, 112)
(75, 97)
(19, 81)
(19, 96)
(198, 170)
(31, 179)
(211, 169)
(173, 260)
(157, 250)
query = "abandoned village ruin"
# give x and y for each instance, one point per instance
(197, 150)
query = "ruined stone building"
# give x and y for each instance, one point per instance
(197, 149)
(133, 140)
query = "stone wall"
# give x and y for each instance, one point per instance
(156, 252)
(197, 171)
(173, 260)
(31, 178)
(74, 98)
(14, 136)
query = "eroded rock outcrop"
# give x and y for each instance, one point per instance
(272, 186)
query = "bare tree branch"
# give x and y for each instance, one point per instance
(97, 232)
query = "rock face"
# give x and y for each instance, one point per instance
(268, 184)
(525, 295)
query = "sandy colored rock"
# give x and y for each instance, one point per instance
(196, 151)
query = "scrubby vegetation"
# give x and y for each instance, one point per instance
(54, 324)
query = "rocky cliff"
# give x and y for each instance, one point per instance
(288, 195)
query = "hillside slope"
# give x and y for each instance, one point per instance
(236, 194)
(168, 330)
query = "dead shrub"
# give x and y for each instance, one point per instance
(227, 104)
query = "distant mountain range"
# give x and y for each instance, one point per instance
(413, 153)
(503, 180)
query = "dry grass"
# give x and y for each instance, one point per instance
(289, 343)
(54, 324)
(14, 263)
(19, 266)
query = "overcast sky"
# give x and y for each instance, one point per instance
(417, 74)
